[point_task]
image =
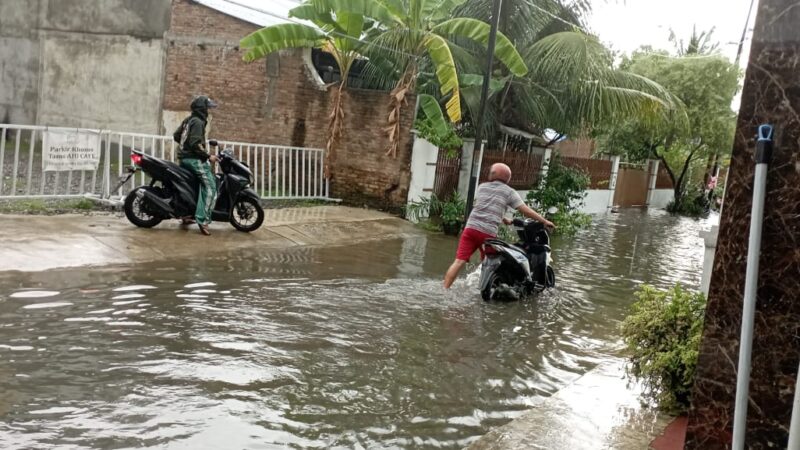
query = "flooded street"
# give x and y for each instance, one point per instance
(354, 346)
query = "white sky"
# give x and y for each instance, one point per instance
(628, 24)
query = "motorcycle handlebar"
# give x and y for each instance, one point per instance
(518, 222)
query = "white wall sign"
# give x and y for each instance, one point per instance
(65, 150)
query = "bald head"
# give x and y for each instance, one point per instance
(500, 172)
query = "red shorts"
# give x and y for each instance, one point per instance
(470, 241)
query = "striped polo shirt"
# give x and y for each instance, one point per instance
(491, 202)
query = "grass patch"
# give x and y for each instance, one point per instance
(299, 203)
(50, 206)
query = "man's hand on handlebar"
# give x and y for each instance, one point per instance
(549, 225)
(213, 158)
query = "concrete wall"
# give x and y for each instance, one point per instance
(19, 60)
(83, 63)
(660, 198)
(597, 201)
(423, 169)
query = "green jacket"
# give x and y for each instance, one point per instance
(191, 135)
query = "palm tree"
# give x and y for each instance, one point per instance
(340, 25)
(574, 87)
(423, 40)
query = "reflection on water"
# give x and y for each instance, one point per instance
(313, 348)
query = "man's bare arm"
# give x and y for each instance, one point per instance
(530, 213)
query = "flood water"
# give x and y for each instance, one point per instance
(348, 347)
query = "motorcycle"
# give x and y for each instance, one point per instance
(513, 271)
(172, 193)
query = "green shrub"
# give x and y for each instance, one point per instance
(564, 188)
(448, 214)
(453, 209)
(449, 141)
(693, 203)
(662, 334)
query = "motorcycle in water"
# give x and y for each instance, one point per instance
(513, 271)
(172, 193)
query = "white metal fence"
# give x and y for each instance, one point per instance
(280, 172)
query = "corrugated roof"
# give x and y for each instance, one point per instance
(258, 12)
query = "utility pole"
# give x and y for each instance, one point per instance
(478, 121)
(744, 33)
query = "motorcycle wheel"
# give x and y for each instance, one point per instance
(491, 287)
(551, 277)
(246, 214)
(137, 212)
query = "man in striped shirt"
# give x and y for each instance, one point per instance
(492, 200)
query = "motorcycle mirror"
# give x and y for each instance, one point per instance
(552, 210)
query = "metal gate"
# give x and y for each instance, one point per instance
(448, 167)
(631, 187)
(280, 172)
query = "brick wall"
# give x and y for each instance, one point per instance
(275, 101)
(362, 172)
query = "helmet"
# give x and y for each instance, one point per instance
(201, 104)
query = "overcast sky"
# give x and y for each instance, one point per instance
(626, 25)
(629, 24)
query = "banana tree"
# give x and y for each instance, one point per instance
(423, 36)
(339, 27)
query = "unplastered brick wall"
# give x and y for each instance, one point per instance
(363, 173)
(276, 101)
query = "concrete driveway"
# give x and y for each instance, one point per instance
(35, 243)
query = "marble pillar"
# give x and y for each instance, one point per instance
(771, 95)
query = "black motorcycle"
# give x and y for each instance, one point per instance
(172, 193)
(513, 271)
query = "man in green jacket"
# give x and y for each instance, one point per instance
(193, 156)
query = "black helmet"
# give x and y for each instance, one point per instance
(201, 104)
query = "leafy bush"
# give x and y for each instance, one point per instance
(564, 188)
(449, 141)
(662, 334)
(694, 203)
(453, 210)
(442, 213)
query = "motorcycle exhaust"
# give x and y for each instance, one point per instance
(156, 201)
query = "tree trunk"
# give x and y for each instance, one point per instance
(335, 126)
(396, 103)
(679, 191)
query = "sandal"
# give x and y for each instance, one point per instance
(204, 229)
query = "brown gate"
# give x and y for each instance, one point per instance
(448, 166)
(631, 187)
